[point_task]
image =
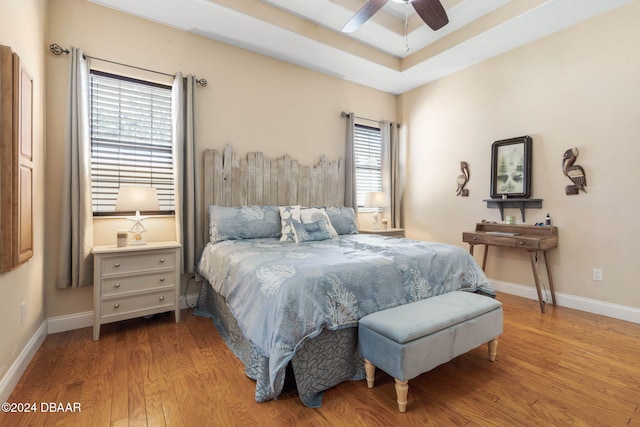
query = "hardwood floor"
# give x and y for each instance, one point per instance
(562, 368)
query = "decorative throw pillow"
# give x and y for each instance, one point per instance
(343, 220)
(243, 222)
(313, 231)
(309, 215)
(288, 215)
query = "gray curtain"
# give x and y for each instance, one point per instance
(392, 178)
(350, 194)
(75, 266)
(189, 226)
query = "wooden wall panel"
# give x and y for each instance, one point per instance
(6, 156)
(16, 160)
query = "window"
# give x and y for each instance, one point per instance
(131, 140)
(368, 158)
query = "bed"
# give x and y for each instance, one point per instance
(286, 285)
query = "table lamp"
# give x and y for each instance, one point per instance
(377, 200)
(136, 199)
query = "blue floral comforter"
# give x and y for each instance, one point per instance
(283, 293)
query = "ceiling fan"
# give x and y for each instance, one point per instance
(431, 12)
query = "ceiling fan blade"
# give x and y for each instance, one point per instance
(431, 12)
(363, 15)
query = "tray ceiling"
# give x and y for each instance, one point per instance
(307, 32)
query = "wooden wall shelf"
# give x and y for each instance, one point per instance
(521, 204)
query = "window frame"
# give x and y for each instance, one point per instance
(166, 191)
(366, 137)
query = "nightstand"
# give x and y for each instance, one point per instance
(135, 281)
(391, 232)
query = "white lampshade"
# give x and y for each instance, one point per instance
(135, 199)
(376, 199)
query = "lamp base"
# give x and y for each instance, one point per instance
(137, 240)
(376, 220)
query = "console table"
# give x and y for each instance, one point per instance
(528, 237)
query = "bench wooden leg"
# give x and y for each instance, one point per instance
(369, 372)
(493, 349)
(402, 389)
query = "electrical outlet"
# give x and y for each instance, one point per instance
(597, 274)
(23, 311)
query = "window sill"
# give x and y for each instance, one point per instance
(367, 210)
(120, 217)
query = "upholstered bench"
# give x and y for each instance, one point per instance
(411, 339)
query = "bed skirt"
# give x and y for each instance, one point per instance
(318, 363)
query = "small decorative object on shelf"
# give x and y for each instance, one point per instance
(121, 238)
(574, 172)
(462, 180)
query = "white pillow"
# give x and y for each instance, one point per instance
(310, 215)
(289, 214)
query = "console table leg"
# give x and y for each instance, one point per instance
(532, 257)
(551, 287)
(484, 258)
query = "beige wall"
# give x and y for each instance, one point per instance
(22, 27)
(576, 88)
(253, 102)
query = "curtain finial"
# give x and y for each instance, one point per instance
(57, 50)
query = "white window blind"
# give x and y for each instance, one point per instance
(368, 158)
(130, 139)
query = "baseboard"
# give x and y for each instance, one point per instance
(70, 322)
(13, 375)
(53, 325)
(622, 312)
(82, 320)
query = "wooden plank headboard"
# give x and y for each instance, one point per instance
(258, 180)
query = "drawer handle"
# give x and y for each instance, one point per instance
(162, 279)
(161, 260)
(162, 298)
(116, 305)
(475, 238)
(117, 285)
(519, 243)
(116, 265)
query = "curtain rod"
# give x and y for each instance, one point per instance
(344, 114)
(57, 50)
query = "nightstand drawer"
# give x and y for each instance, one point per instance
(132, 263)
(514, 241)
(125, 306)
(123, 285)
(135, 281)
